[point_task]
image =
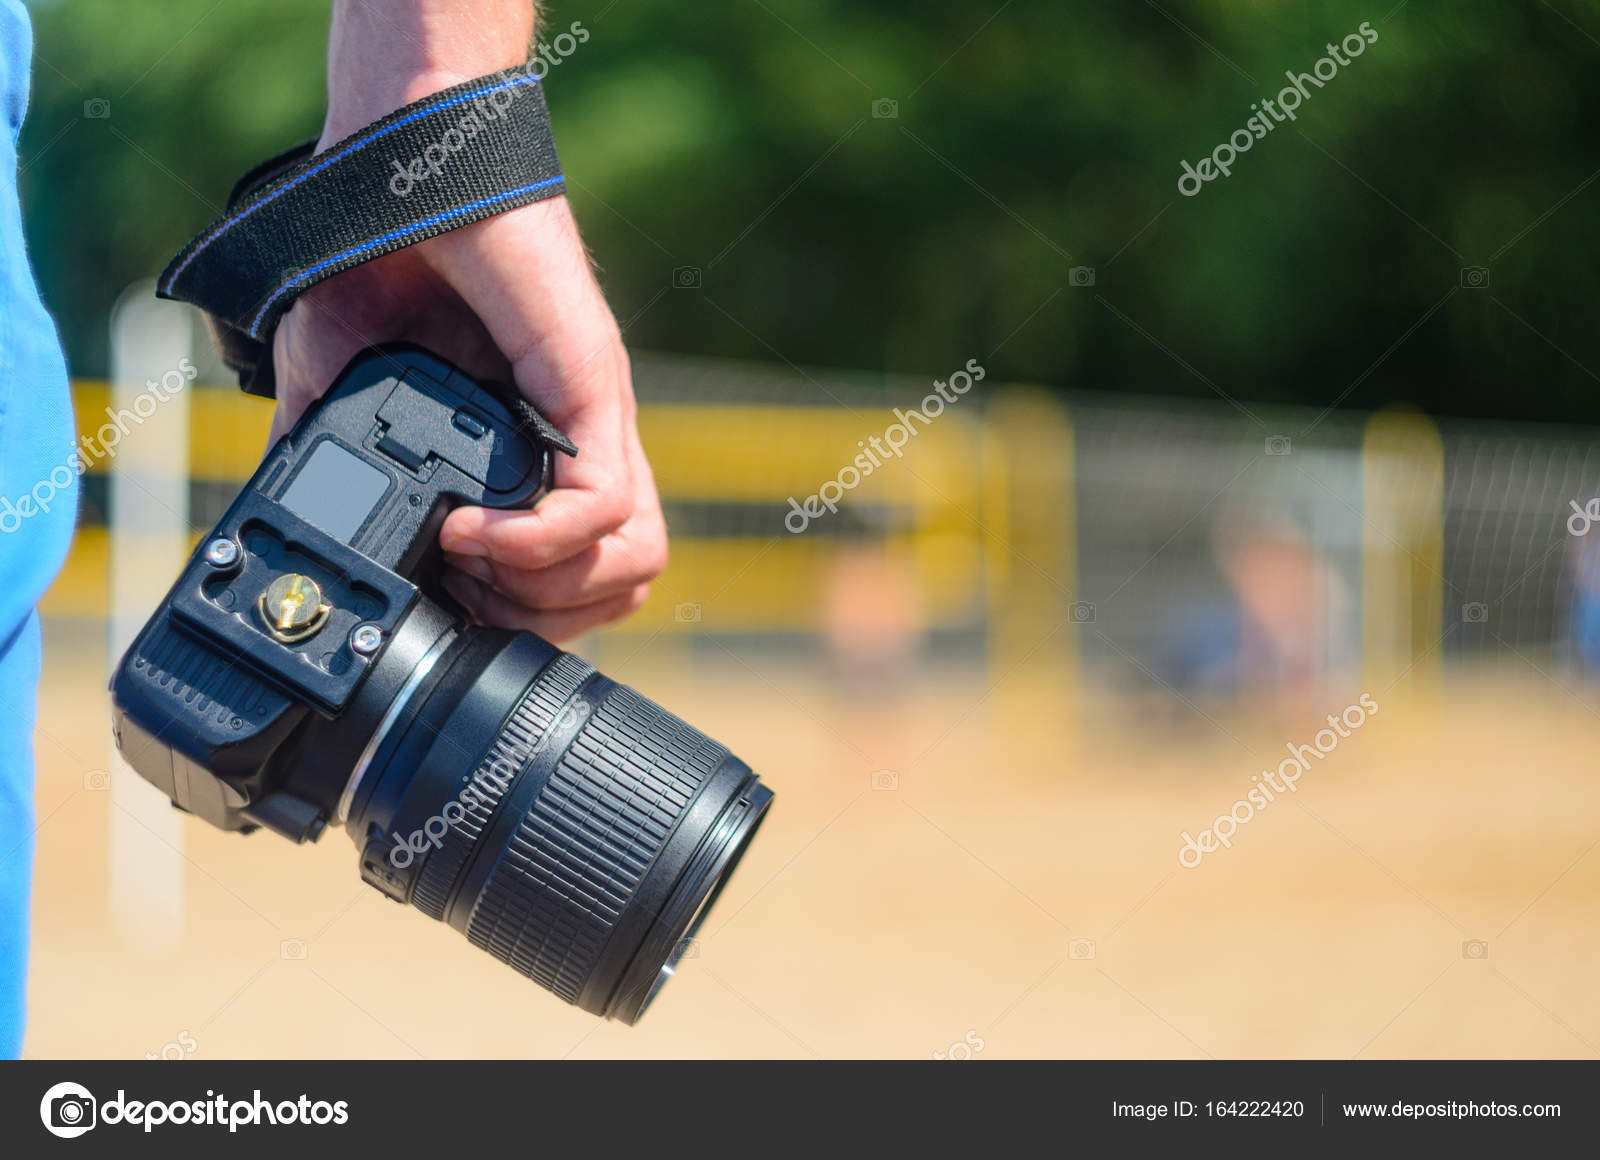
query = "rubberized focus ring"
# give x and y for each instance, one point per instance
(554, 896)
(481, 793)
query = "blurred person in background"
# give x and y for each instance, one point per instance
(1294, 608)
(1585, 565)
(510, 297)
(875, 630)
(1278, 628)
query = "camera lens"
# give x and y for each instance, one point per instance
(572, 828)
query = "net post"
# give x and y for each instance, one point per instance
(1402, 587)
(152, 371)
(1035, 612)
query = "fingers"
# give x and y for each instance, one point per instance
(618, 564)
(522, 565)
(594, 496)
(566, 522)
(489, 607)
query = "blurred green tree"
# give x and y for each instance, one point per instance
(897, 185)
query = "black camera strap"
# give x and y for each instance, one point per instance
(456, 157)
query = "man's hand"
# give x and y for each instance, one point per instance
(511, 297)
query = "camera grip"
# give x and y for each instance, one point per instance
(400, 440)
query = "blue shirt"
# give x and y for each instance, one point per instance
(38, 500)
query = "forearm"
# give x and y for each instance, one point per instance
(383, 54)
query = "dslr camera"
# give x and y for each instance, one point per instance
(308, 670)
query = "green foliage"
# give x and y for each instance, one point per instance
(740, 138)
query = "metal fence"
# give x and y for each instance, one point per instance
(1185, 546)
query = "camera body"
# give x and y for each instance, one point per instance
(242, 702)
(308, 669)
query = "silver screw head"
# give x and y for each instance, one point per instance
(365, 638)
(221, 552)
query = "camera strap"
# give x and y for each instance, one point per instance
(453, 158)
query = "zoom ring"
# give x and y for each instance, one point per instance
(554, 897)
(480, 794)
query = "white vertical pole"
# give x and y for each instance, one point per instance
(149, 532)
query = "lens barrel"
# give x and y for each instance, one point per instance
(572, 828)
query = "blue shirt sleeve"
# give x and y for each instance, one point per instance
(38, 500)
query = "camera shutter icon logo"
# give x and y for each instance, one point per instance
(68, 1110)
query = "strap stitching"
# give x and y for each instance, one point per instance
(255, 323)
(323, 164)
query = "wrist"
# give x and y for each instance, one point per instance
(384, 54)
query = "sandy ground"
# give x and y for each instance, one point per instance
(1014, 886)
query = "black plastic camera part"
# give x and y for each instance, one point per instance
(307, 669)
(353, 498)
